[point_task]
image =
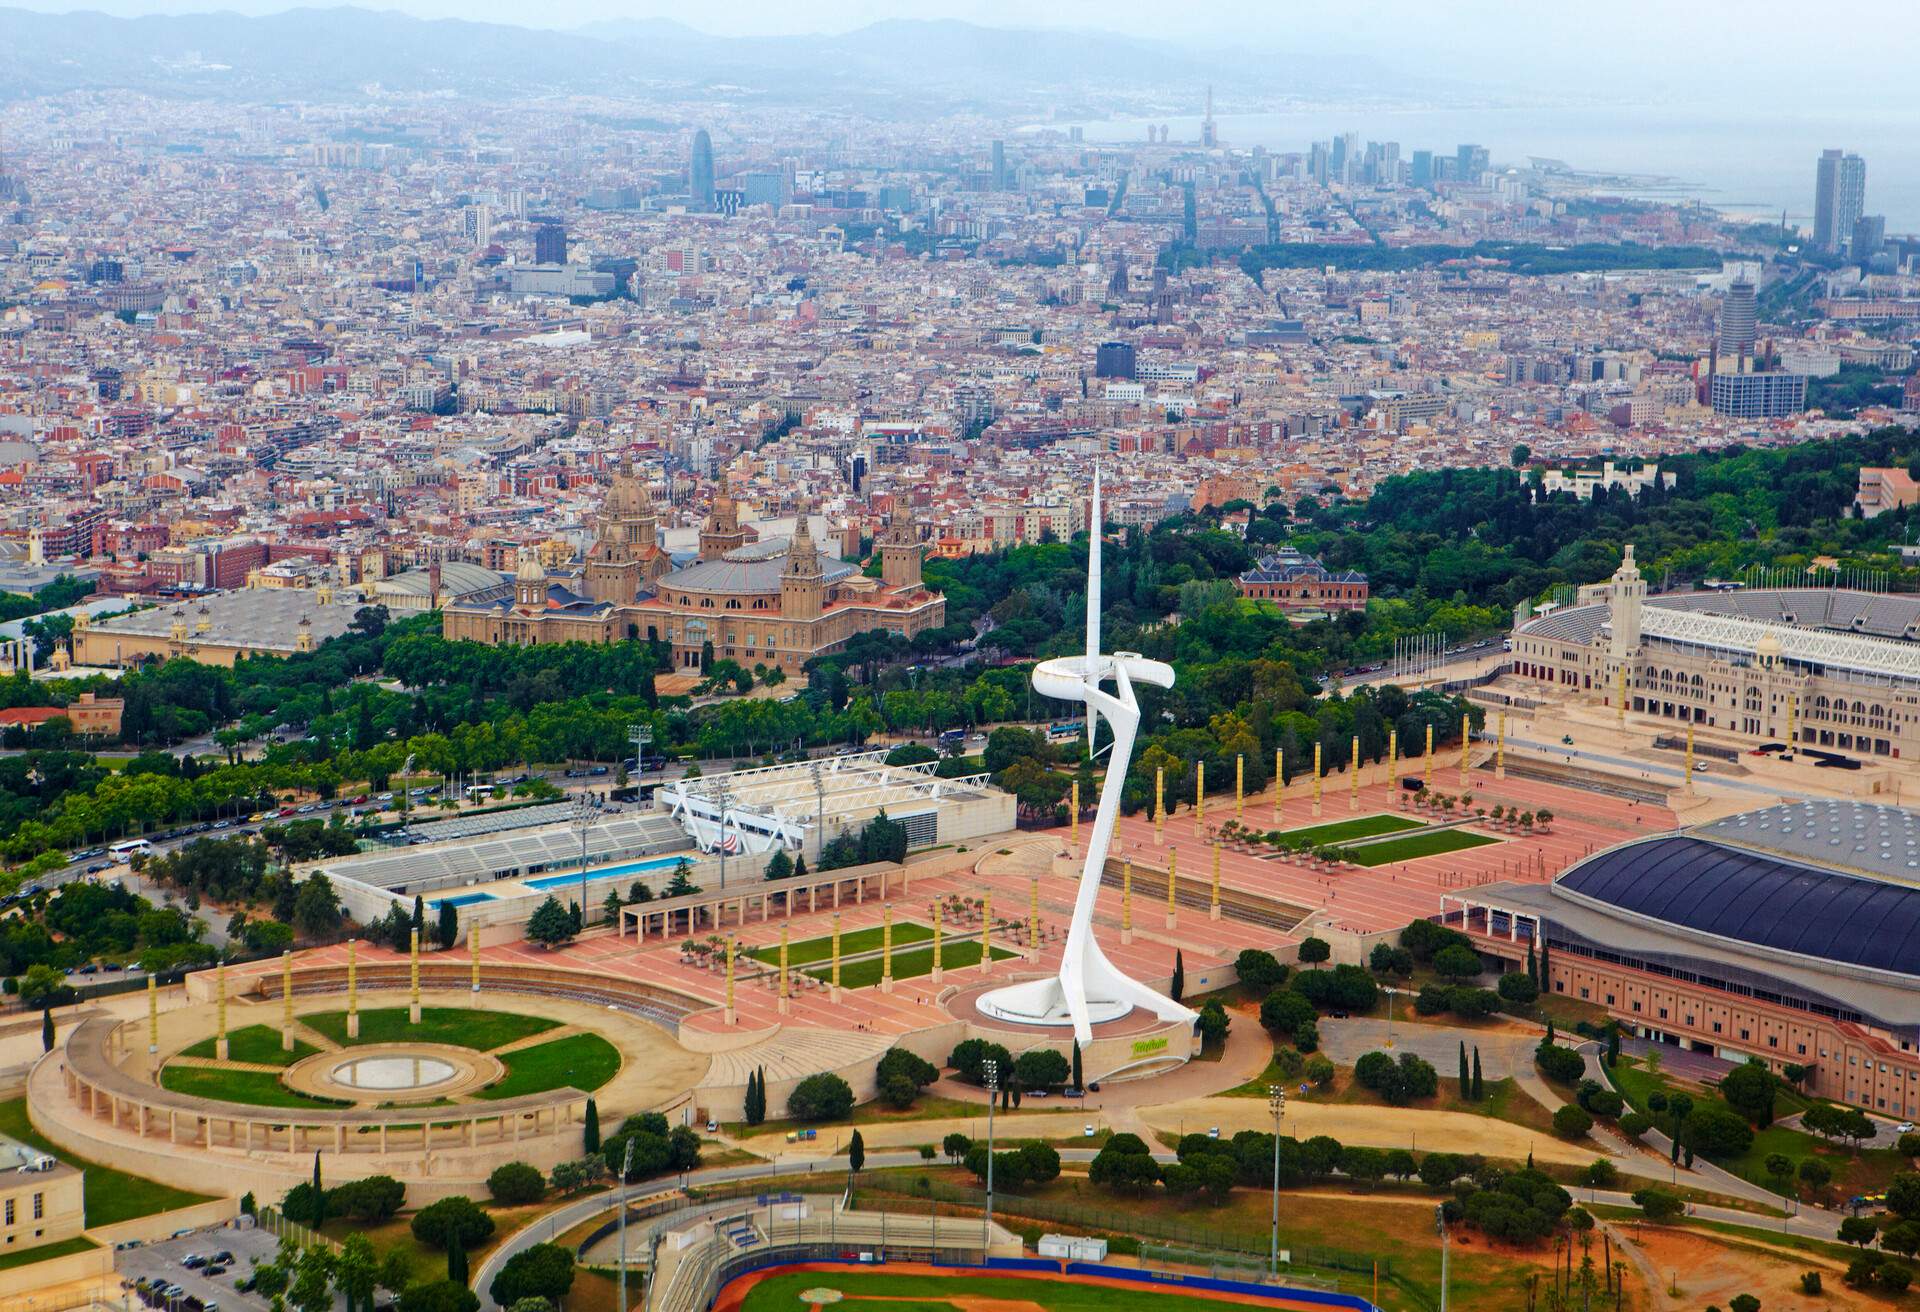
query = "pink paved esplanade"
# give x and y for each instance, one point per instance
(1351, 899)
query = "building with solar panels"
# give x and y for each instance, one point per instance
(1823, 669)
(1791, 934)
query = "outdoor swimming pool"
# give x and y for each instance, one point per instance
(649, 866)
(463, 900)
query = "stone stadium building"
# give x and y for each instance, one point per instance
(1791, 934)
(1823, 668)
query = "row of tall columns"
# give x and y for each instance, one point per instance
(716, 910)
(144, 1119)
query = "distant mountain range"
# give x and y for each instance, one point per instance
(331, 53)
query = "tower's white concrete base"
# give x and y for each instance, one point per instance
(1044, 1002)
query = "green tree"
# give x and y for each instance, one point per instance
(591, 1127)
(515, 1183)
(1314, 951)
(455, 1218)
(856, 1153)
(550, 924)
(820, 1097)
(438, 1296)
(46, 1029)
(311, 1289)
(539, 1271)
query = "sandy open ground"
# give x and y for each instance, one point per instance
(1374, 1127)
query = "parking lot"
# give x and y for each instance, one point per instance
(161, 1262)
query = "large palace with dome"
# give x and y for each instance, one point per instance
(777, 602)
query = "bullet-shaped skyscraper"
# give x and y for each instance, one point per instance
(700, 173)
(1739, 323)
(1839, 198)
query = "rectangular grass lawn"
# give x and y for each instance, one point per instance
(1345, 831)
(111, 1196)
(258, 1044)
(260, 1088)
(41, 1252)
(1416, 845)
(909, 965)
(585, 1061)
(458, 1026)
(808, 951)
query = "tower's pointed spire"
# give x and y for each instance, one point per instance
(1093, 574)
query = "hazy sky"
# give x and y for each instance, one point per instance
(1778, 53)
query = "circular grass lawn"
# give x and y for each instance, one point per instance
(578, 1060)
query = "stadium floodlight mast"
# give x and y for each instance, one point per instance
(1277, 1102)
(990, 1072)
(1089, 988)
(626, 1168)
(586, 809)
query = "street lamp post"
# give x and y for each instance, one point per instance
(1277, 1101)
(991, 1069)
(626, 1166)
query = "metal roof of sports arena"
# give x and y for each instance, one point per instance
(1822, 897)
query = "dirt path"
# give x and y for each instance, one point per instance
(1374, 1127)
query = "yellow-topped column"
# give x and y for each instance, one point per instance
(1393, 753)
(153, 1018)
(1427, 761)
(220, 1035)
(1466, 746)
(1074, 819)
(986, 933)
(1159, 800)
(473, 961)
(1316, 780)
(413, 978)
(1500, 749)
(1353, 776)
(937, 971)
(1279, 782)
(286, 1002)
(1033, 917)
(733, 1017)
(1126, 901)
(886, 948)
(786, 982)
(1213, 900)
(353, 991)
(1199, 795)
(833, 990)
(1173, 880)
(1239, 787)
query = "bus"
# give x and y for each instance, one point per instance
(1063, 731)
(132, 847)
(479, 792)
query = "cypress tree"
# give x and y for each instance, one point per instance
(1078, 1081)
(592, 1127)
(457, 1262)
(1466, 1083)
(1613, 1045)
(1479, 1089)
(319, 1196)
(420, 914)
(1543, 966)
(1533, 964)
(46, 1029)
(1179, 976)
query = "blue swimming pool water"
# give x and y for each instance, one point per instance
(463, 900)
(608, 872)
